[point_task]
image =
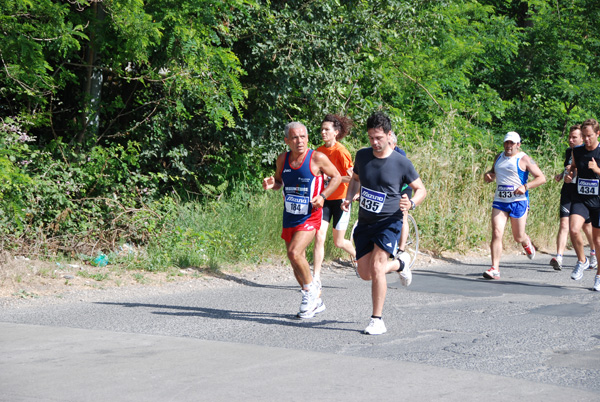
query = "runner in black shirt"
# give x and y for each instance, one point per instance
(586, 203)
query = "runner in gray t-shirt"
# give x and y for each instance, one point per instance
(380, 173)
(381, 192)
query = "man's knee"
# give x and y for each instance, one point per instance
(320, 237)
(339, 243)
(497, 234)
(365, 275)
(563, 228)
(575, 232)
(379, 267)
(520, 238)
(295, 254)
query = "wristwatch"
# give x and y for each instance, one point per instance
(412, 204)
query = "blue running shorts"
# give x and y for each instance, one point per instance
(384, 233)
(515, 209)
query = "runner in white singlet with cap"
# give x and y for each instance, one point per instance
(511, 200)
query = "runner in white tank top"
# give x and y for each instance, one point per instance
(511, 200)
(509, 177)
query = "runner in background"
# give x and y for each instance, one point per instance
(333, 129)
(405, 190)
(511, 200)
(567, 192)
(586, 203)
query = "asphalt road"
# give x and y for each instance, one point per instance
(452, 336)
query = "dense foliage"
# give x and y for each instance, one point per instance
(110, 109)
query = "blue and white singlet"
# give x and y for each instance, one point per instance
(509, 177)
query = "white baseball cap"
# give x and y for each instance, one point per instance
(512, 136)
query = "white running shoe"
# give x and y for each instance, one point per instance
(529, 250)
(317, 283)
(597, 283)
(577, 273)
(406, 273)
(309, 299)
(593, 262)
(405, 276)
(319, 308)
(405, 257)
(492, 273)
(556, 263)
(376, 327)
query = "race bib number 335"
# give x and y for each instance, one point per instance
(371, 200)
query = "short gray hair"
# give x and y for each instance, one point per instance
(294, 124)
(394, 137)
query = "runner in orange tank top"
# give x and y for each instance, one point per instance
(333, 129)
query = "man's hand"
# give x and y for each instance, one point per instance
(345, 205)
(268, 183)
(593, 165)
(318, 201)
(489, 177)
(569, 177)
(405, 203)
(521, 189)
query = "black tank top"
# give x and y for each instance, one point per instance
(588, 182)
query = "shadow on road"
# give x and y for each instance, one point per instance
(223, 314)
(474, 285)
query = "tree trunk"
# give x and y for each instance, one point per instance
(93, 83)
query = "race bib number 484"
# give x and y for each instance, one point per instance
(587, 186)
(371, 200)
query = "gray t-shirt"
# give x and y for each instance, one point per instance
(381, 183)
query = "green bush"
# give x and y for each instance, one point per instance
(63, 199)
(85, 203)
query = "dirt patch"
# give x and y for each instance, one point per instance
(24, 278)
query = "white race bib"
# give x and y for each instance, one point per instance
(587, 186)
(296, 205)
(371, 200)
(505, 192)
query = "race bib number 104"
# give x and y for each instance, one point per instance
(371, 200)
